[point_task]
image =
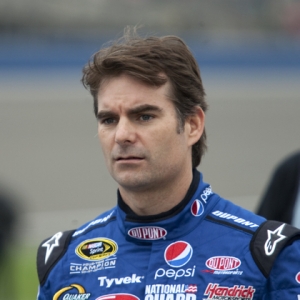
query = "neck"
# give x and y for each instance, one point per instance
(153, 201)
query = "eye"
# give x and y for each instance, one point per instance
(108, 121)
(146, 117)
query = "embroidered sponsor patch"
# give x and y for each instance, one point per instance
(178, 254)
(147, 233)
(274, 237)
(171, 291)
(119, 296)
(236, 292)
(197, 208)
(95, 266)
(108, 282)
(96, 249)
(175, 274)
(297, 277)
(73, 291)
(221, 263)
(93, 223)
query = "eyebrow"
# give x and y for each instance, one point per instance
(132, 111)
(143, 108)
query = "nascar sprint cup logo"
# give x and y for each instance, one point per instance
(96, 249)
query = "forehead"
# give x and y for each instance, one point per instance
(129, 91)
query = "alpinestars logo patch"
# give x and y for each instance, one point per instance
(274, 237)
(51, 243)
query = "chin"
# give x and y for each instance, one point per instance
(132, 182)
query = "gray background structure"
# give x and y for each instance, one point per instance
(50, 154)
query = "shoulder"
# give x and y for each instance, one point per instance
(270, 240)
(52, 249)
(100, 221)
(225, 213)
(266, 239)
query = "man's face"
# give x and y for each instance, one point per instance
(139, 136)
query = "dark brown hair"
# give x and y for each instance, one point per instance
(148, 60)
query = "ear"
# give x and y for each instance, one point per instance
(194, 126)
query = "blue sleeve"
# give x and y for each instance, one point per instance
(284, 279)
(43, 295)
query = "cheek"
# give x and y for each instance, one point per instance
(166, 144)
(104, 142)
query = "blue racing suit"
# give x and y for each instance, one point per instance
(204, 248)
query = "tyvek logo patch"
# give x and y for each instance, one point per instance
(197, 208)
(178, 254)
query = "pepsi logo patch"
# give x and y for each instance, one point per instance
(147, 233)
(222, 263)
(197, 208)
(298, 277)
(178, 254)
(118, 296)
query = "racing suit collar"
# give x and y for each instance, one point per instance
(171, 224)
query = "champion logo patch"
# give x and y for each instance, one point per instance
(178, 254)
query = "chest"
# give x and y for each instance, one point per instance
(187, 269)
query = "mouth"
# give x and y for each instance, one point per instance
(129, 158)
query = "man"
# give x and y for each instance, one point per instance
(170, 236)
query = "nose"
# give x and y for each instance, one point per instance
(125, 133)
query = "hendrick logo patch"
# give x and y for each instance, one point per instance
(96, 249)
(236, 292)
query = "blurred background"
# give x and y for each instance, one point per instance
(51, 163)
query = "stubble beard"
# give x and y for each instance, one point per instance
(134, 179)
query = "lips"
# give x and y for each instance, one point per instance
(128, 158)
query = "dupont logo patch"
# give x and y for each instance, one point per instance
(223, 263)
(147, 233)
(96, 249)
(119, 296)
